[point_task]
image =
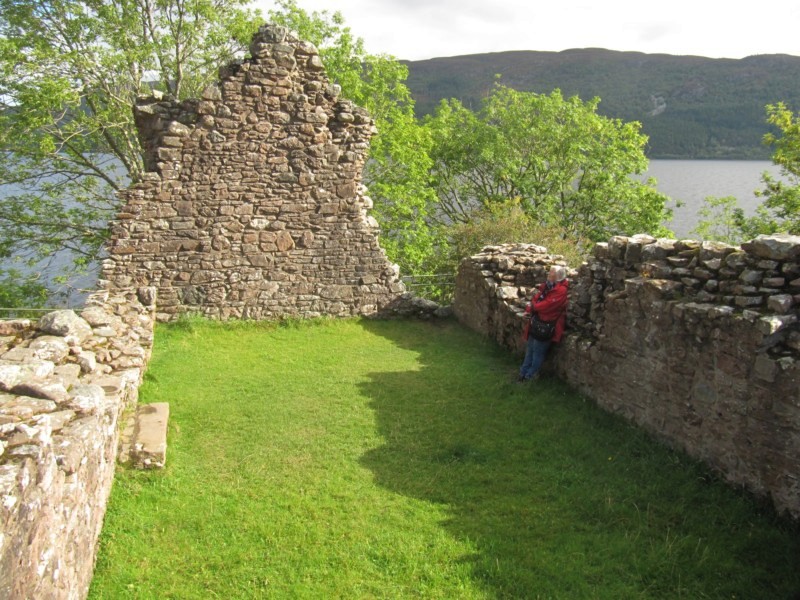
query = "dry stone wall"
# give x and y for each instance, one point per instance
(253, 206)
(698, 342)
(64, 384)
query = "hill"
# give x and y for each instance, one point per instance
(689, 106)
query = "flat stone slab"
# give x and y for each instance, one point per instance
(144, 439)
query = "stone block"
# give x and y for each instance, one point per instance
(780, 303)
(765, 368)
(748, 301)
(148, 446)
(777, 246)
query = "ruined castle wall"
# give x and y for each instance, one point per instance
(65, 381)
(696, 342)
(253, 206)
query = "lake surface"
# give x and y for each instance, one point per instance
(692, 181)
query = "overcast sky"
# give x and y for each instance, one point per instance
(419, 29)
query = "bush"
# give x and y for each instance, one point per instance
(508, 223)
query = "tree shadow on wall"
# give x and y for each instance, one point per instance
(529, 477)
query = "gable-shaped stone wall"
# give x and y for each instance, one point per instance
(253, 206)
(697, 342)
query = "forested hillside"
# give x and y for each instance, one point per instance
(689, 106)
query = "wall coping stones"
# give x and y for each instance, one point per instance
(778, 246)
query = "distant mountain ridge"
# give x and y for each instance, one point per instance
(689, 106)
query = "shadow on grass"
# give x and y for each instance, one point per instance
(557, 498)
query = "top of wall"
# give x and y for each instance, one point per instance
(705, 282)
(282, 83)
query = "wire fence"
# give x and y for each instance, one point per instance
(438, 287)
(73, 299)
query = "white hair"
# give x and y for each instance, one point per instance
(561, 272)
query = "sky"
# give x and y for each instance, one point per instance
(421, 29)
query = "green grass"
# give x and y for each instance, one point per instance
(397, 459)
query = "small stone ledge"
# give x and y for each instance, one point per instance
(143, 443)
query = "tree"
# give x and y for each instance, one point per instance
(780, 211)
(783, 195)
(505, 223)
(70, 71)
(721, 220)
(570, 167)
(18, 289)
(398, 170)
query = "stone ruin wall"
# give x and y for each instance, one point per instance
(253, 208)
(697, 342)
(65, 382)
(253, 205)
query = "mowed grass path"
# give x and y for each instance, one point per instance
(397, 459)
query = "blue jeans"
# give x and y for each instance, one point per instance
(535, 353)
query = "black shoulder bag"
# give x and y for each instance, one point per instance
(541, 330)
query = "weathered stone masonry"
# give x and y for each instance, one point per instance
(64, 384)
(696, 342)
(254, 207)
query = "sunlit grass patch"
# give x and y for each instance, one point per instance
(397, 459)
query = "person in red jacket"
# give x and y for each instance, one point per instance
(549, 304)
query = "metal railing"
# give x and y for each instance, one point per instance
(66, 297)
(438, 287)
(7, 314)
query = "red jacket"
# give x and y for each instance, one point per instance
(553, 306)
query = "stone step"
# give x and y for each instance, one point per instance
(143, 444)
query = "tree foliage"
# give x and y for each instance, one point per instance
(507, 222)
(398, 171)
(780, 210)
(721, 220)
(570, 167)
(782, 196)
(18, 289)
(70, 71)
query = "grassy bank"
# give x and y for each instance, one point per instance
(360, 459)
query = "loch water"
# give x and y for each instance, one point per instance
(690, 182)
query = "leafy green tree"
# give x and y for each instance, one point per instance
(70, 71)
(18, 289)
(783, 195)
(570, 167)
(721, 219)
(398, 171)
(724, 220)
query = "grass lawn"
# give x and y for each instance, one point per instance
(397, 459)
